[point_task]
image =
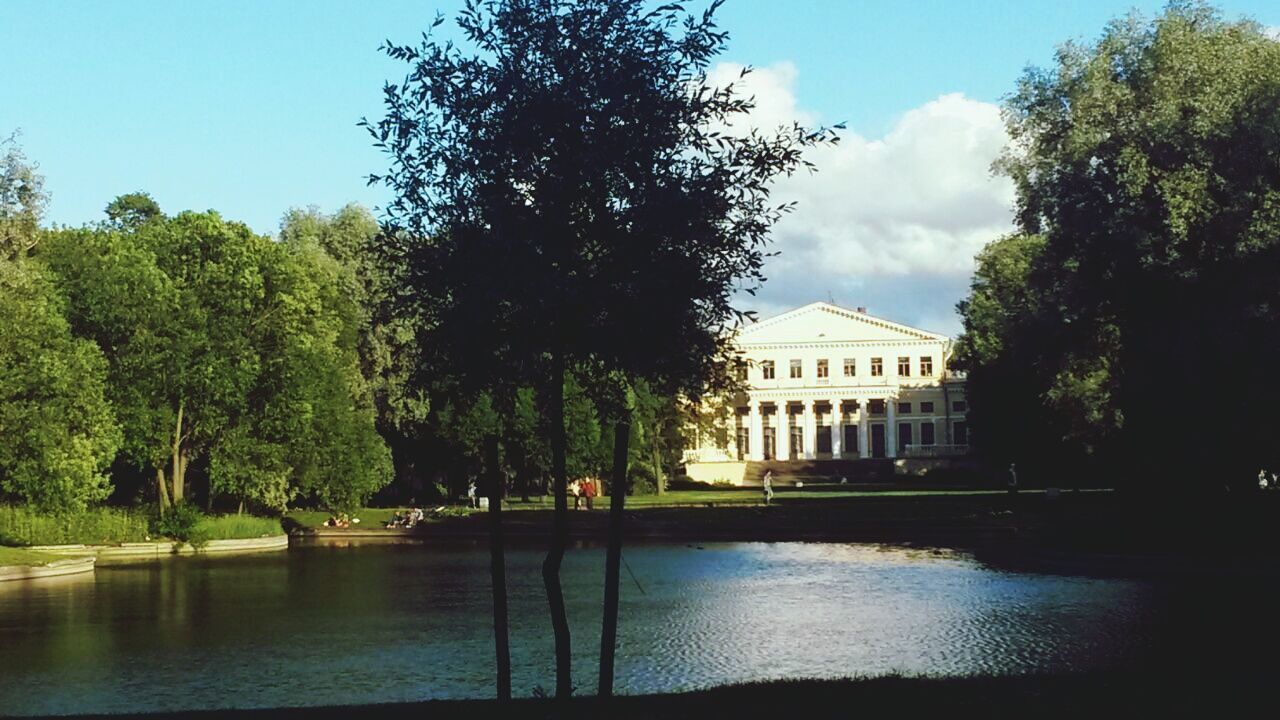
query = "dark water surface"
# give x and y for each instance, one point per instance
(381, 623)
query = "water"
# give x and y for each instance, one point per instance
(382, 623)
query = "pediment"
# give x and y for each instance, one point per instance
(826, 323)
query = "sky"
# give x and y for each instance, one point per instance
(250, 107)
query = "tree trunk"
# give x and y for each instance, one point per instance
(613, 558)
(241, 510)
(657, 461)
(559, 535)
(177, 459)
(498, 569)
(162, 490)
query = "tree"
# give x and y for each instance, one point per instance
(132, 210)
(566, 204)
(1143, 169)
(57, 431)
(22, 201)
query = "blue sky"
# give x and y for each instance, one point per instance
(250, 108)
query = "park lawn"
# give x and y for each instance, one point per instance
(369, 517)
(23, 556)
(747, 496)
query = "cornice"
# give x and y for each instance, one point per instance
(837, 344)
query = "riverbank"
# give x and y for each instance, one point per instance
(1065, 696)
(25, 557)
(1095, 532)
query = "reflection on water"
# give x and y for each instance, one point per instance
(375, 622)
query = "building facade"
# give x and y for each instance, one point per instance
(830, 383)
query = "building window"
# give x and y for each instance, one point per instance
(766, 369)
(960, 432)
(822, 368)
(850, 367)
(876, 407)
(904, 408)
(959, 406)
(926, 366)
(926, 433)
(904, 366)
(926, 407)
(877, 367)
(850, 406)
(795, 369)
(740, 371)
(904, 436)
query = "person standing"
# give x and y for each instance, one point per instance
(471, 494)
(1262, 479)
(589, 492)
(768, 486)
(575, 487)
(1013, 479)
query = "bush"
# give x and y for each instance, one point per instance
(95, 526)
(181, 522)
(641, 480)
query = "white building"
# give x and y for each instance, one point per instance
(828, 383)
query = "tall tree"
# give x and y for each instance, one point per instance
(566, 203)
(22, 201)
(1144, 162)
(132, 210)
(58, 433)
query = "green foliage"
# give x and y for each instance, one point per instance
(237, 348)
(57, 432)
(641, 480)
(180, 522)
(237, 527)
(132, 210)
(1148, 203)
(21, 525)
(22, 201)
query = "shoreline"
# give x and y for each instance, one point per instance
(1149, 693)
(1093, 535)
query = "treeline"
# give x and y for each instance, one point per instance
(160, 359)
(1129, 332)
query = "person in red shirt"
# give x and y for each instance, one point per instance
(589, 490)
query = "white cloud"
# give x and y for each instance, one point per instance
(891, 223)
(1272, 32)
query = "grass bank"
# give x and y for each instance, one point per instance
(237, 527)
(95, 526)
(20, 526)
(23, 556)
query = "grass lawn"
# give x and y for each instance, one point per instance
(369, 517)
(23, 556)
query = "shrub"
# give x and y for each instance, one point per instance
(21, 525)
(181, 522)
(641, 479)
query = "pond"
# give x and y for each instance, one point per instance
(364, 623)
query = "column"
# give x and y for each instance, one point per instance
(837, 430)
(756, 441)
(810, 430)
(891, 427)
(782, 435)
(864, 430)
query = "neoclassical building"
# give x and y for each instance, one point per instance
(829, 383)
